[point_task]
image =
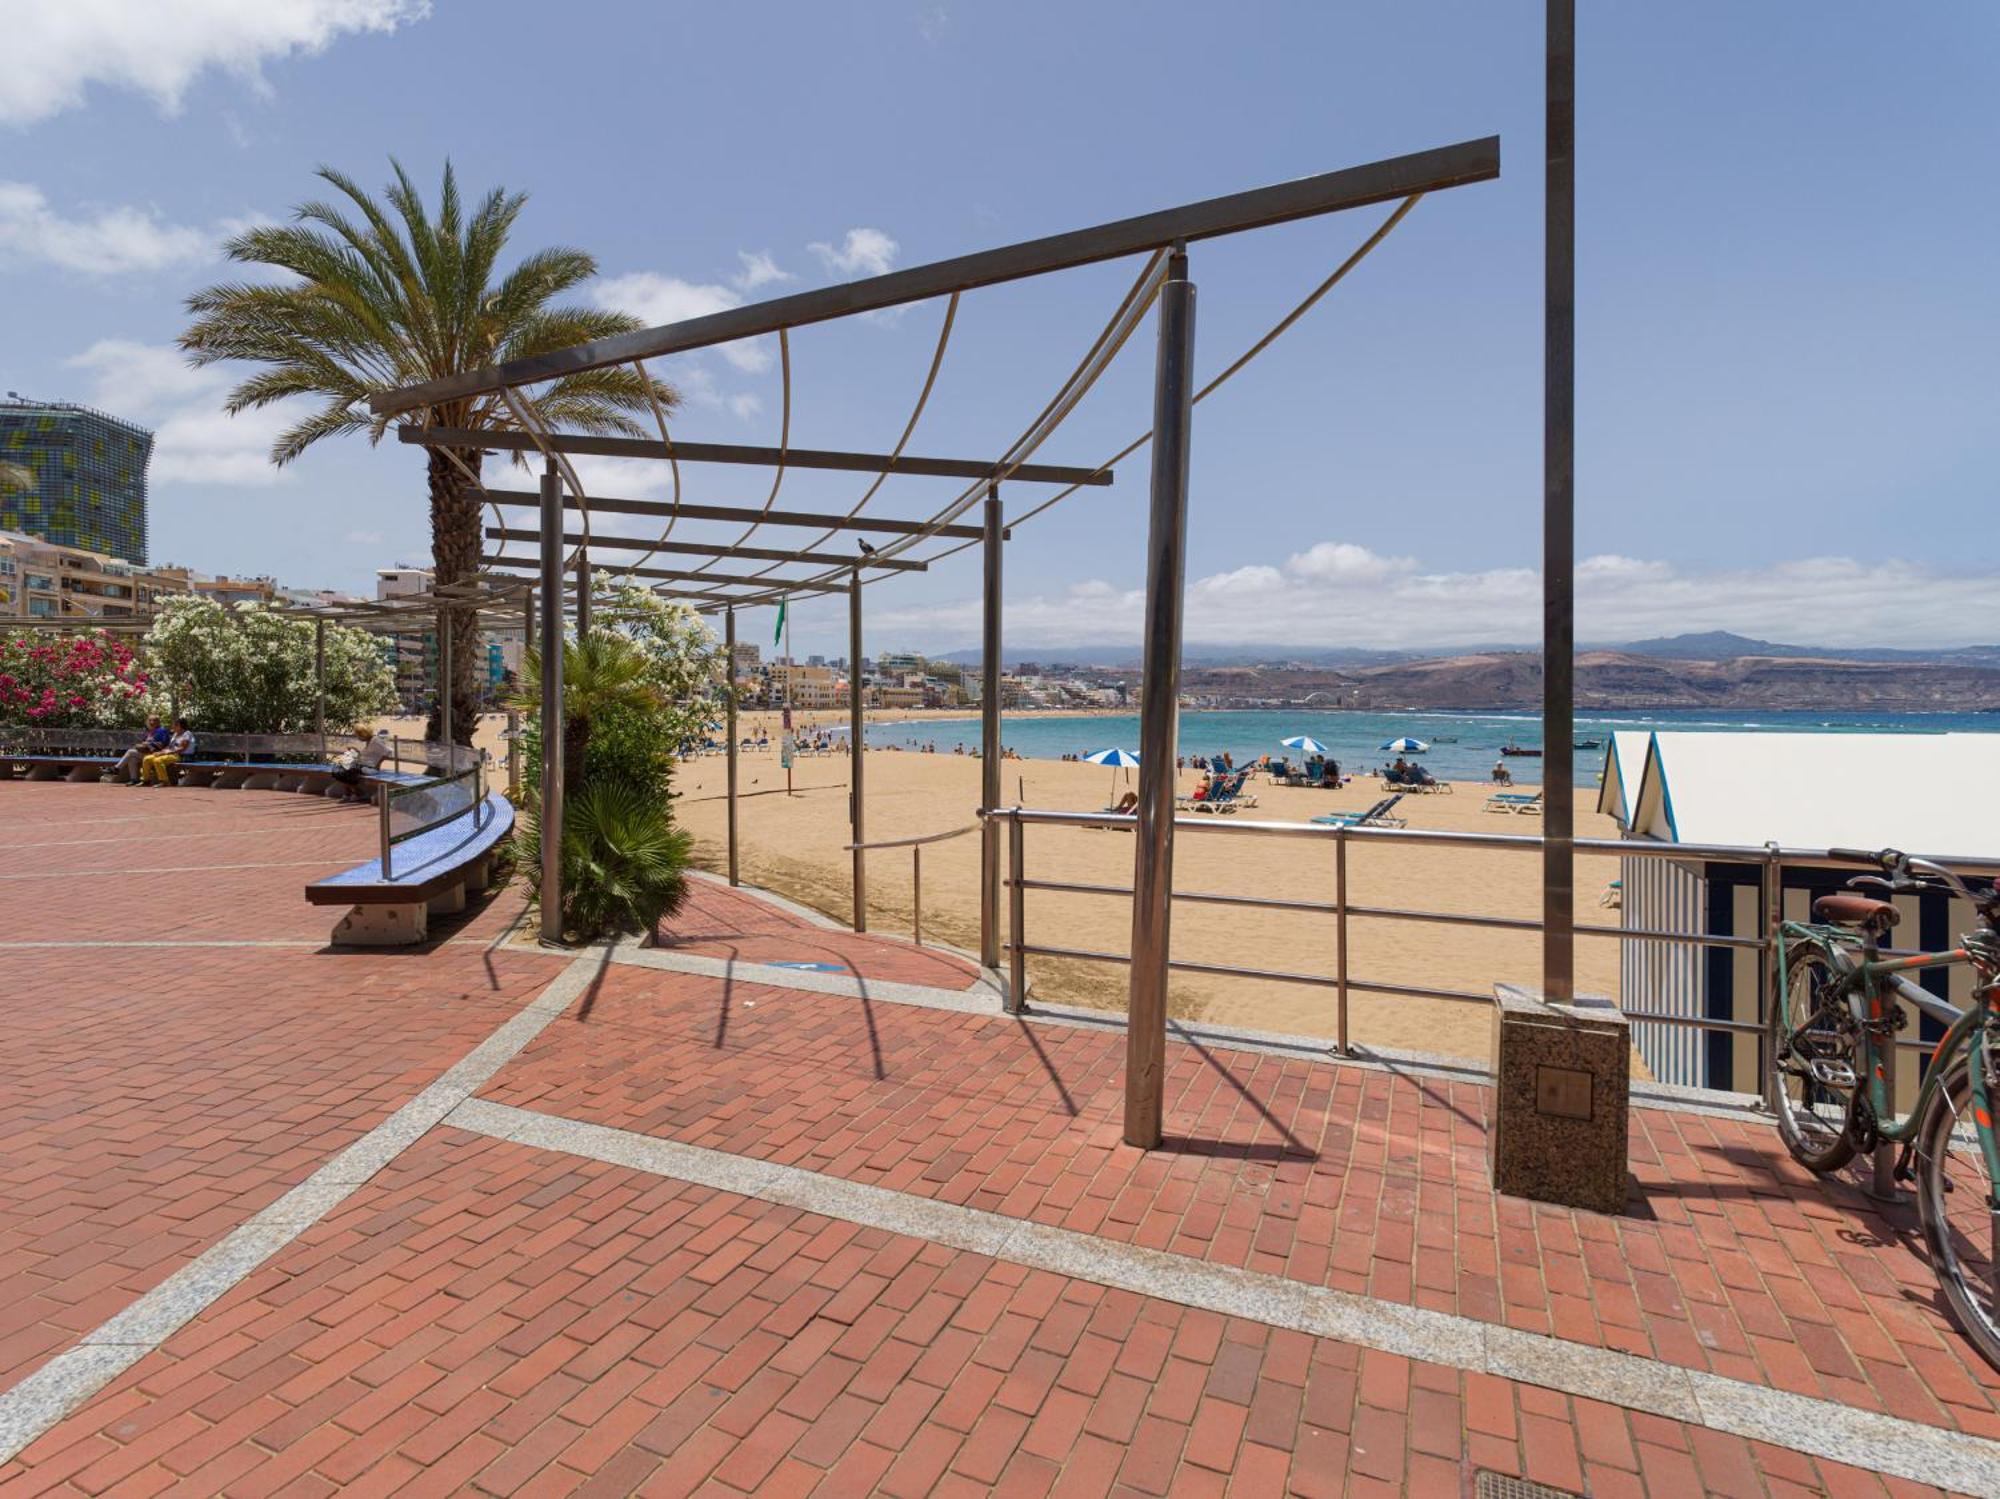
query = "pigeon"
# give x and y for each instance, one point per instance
(866, 549)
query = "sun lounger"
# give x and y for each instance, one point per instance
(1515, 801)
(1377, 816)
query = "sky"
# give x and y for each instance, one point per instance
(1788, 321)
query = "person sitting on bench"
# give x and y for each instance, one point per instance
(127, 769)
(158, 769)
(352, 768)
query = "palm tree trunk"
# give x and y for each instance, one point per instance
(455, 549)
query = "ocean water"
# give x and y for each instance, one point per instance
(1463, 745)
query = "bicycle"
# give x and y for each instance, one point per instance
(1833, 1037)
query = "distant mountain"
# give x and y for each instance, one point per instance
(1720, 645)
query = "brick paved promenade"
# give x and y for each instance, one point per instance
(479, 1218)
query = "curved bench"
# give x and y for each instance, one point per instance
(219, 775)
(429, 875)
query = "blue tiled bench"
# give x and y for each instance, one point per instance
(430, 874)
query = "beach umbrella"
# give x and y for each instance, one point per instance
(1406, 746)
(1304, 744)
(1117, 759)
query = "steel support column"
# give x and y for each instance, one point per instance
(1559, 513)
(551, 894)
(857, 754)
(1166, 572)
(583, 581)
(445, 693)
(729, 723)
(989, 747)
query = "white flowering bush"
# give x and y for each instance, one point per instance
(248, 669)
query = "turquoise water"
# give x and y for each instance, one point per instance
(1352, 737)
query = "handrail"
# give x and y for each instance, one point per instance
(914, 842)
(389, 793)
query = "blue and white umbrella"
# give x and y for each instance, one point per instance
(1117, 759)
(1304, 744)
(1406, 747)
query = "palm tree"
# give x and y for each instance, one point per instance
(378, 298)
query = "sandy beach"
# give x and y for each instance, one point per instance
(796, 845)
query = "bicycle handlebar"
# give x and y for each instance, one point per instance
(1900, 867)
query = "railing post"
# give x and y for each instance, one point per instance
(917, 894)
(1341, 1043)
(1017, 918)
(857, 751)
(514, 752)
(445, 693)
(382, 827)
(319, 682)
(584, 583)
(1770, 982)
(1166, 575)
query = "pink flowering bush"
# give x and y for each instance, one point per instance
(74, 681)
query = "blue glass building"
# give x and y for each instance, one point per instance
(90, 477)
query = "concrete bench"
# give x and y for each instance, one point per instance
(430, 874)
(220, 775)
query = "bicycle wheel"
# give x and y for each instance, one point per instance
(1815, 1063)
(1952, 1197)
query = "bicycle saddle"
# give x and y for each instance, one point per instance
(1856, 911)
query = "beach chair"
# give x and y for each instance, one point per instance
(1515, 801)
(1378, 816)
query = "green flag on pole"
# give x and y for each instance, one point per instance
(779, 633)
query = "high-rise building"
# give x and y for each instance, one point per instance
(89, 471)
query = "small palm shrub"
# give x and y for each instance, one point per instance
(624, 862)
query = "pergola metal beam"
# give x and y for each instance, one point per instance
(695, 549)
(673, 575)
(726, 452)
(664, 508)
(1330, 192)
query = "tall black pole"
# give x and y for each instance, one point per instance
(1159, 691)
(552, 704)
(1559, 513)
(729, 722)
(990, 748)
(857, 752)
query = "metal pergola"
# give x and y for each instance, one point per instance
(1164, 237)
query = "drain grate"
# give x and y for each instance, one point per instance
(1487, 1484)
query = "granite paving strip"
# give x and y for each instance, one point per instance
(73, 1376)
(1817, 1428)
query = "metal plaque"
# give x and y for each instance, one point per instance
(1563, 1092)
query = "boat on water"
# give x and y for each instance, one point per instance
(1519, 749)
(1590, 744)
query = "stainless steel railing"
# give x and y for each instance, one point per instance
(388, 794)
(1768, 860)
(916, 848)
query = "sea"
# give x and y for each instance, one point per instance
(1463, 746)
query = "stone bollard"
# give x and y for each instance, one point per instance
(1559, 1117)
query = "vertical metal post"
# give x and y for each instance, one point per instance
(527, 622)
(989, 739)
(583, 581)
(445, 693)
(1166, 575)
(1559, 513)
(319, 683)
(1770, 982)
(917, 894)
(1017, 919)
(1341, 1043)
(729, 721)
(514, 753)
(552, 705)
(857, 751)
(382, 827)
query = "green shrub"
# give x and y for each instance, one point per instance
(624, 863)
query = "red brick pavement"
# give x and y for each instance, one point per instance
(719, 922)
(151, 1099)
(490, 1319)
(1729, 1258)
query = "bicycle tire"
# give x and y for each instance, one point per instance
(1819, 1139)
(1961, 1252)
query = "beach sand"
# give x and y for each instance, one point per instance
(795, 845)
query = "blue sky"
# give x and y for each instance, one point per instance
(1789, 325)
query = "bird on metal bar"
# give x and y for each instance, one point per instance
(866, 549)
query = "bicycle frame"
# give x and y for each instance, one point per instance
(1873, 982)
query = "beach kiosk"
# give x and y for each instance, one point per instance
(1922, 793)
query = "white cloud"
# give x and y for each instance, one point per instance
(759, 269)
(99, 242)
(195, 441)
(657, 300)
(863, 252)
(58, 49)
(1352, 596)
